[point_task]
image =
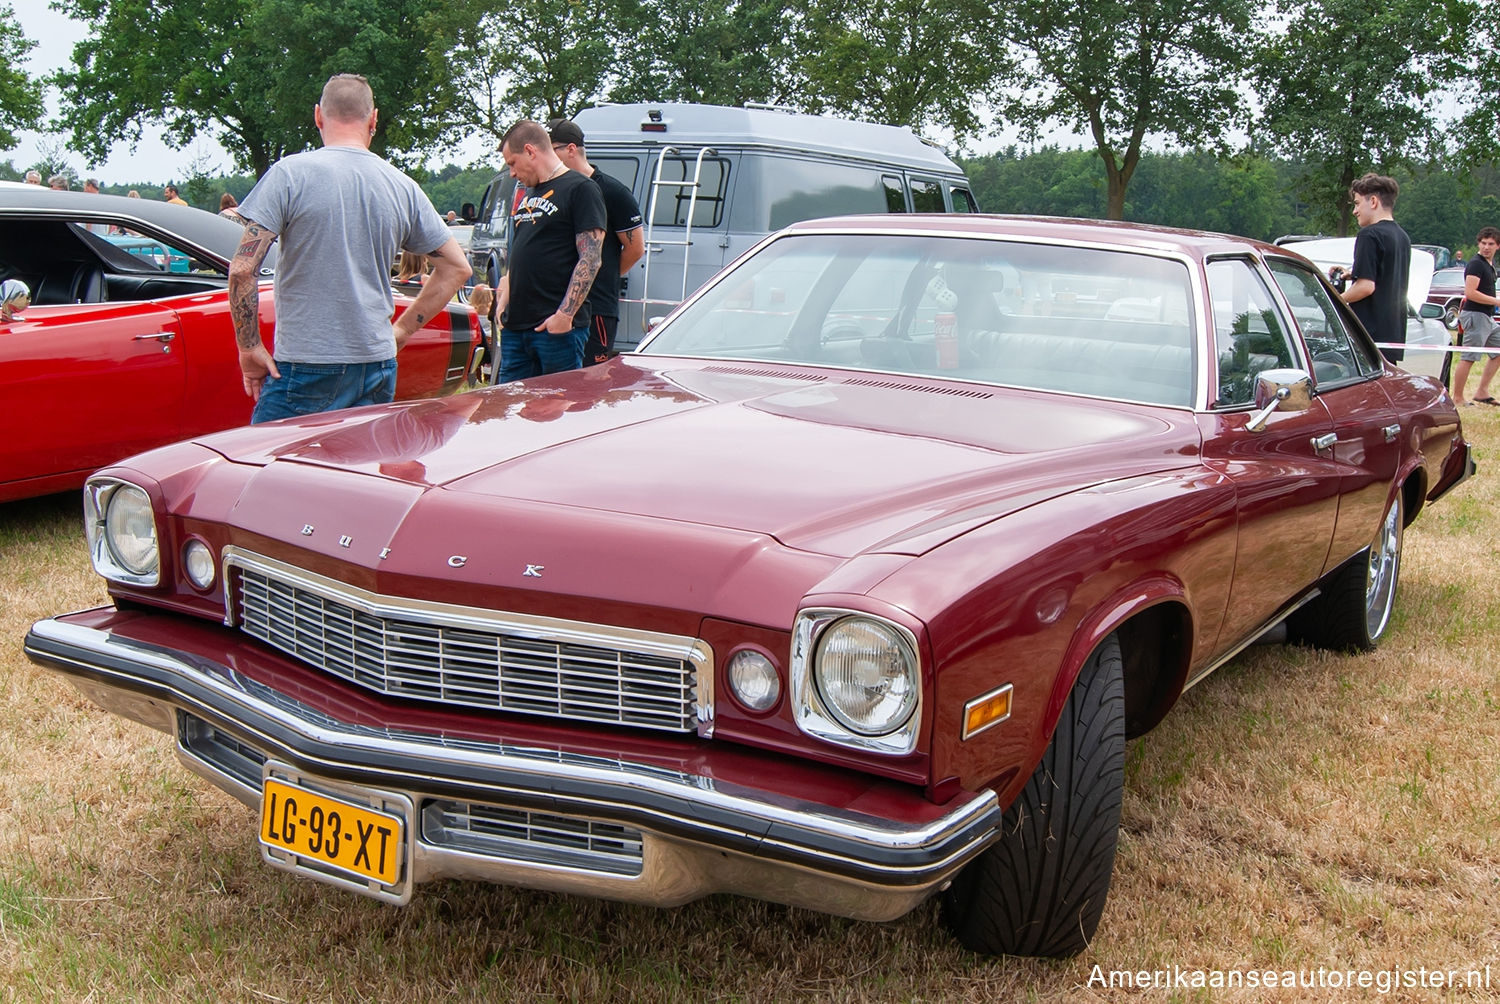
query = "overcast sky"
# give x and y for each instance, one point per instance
(152, 160)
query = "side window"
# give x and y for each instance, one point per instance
(1249, 335)
(895, 193)
(926, 196)
(674, 197)
(622, 169)
(963, 202)
(1336, 354)
(804, 190)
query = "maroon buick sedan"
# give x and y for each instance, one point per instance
(845, 591)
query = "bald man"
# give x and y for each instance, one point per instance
(342, 214)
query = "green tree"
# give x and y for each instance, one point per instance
(722, 52)
(902, 62)
(525, 59)
(20, 95)
(1124, 70)
(1353, 86)
(250, 71)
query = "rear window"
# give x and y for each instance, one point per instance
(669, 205)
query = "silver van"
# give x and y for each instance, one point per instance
(713, 180)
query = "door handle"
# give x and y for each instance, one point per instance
(1321, 443)
(1391, 432)
(164, 337)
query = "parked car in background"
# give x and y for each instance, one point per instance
(128, 343)
(846, 590)
(1441, 257)
(712, 180)
(1447, 291)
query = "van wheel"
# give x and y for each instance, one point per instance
(1040, 889)
(1354, 609)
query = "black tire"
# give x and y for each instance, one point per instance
(1354, 609)
(1040, 889)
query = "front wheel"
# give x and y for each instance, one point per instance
(1354, 609)
(1040, 889)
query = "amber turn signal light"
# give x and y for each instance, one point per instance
(986, 710)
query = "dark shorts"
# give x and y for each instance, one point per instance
(308, 388)
(601, 339)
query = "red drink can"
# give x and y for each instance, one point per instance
(945, 337)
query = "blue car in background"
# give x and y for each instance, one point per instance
(163, 256)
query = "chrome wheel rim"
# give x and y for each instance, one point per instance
(1380, 579)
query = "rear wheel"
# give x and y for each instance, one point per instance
(1450, 314)
(1355, 606)
(1040, 889)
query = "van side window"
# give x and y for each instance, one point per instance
(926, 196)
(895, 193)
(672, 201)
(622, 169)
(804, 190)
(963, 202)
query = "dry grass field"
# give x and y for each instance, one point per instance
(1297, 812)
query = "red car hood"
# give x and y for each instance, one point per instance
(828, 462)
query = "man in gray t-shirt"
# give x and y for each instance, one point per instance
(342, 214)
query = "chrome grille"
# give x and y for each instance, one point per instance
(535, 837)
(423, 658)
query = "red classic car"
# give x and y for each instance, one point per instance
(845, 591)
(128, 343)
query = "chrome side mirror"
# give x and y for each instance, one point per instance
(1279, 390)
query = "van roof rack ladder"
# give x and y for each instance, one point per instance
(658, 183)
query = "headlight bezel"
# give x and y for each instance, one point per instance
(99, 498)
(811, 706)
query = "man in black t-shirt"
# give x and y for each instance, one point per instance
(1476, 319)
(623, 243)
(1382, 263)
(554, 257)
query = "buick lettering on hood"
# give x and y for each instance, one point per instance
(845, 591)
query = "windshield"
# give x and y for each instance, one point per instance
(1100, 322)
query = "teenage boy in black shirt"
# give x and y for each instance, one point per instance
(1476, 318)
(554, 257)
(624, 242)
(1382, 263)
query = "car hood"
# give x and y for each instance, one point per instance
(830, 462)
(1326, 252)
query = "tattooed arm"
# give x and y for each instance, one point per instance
(450, 267)
(244, 307)
(590, 244)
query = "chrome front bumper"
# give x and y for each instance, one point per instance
(526, 816)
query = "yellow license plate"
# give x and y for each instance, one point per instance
(331, 832)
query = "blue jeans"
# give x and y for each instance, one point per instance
(308, 388)
(530, 353)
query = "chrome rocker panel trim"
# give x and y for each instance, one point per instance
(700, 835)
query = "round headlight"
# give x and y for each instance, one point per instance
(753, 680)
(130, 529)
(198, 561)
(866, 674)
